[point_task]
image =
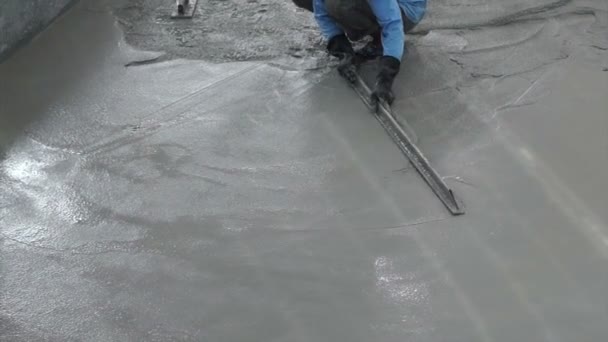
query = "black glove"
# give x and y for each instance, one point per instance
(371, 50)
(339, 46)
(389, 68)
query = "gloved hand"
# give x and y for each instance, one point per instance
(389, 68)
(372, 49)
(339, 46)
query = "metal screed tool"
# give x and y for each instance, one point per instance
(403, 136)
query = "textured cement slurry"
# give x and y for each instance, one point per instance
(187, 201)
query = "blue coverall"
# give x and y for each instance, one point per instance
(388, 16)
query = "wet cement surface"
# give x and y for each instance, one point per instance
(188, 201)
(21, 20)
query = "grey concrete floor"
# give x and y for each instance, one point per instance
(256, 201)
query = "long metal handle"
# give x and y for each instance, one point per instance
(405, 140)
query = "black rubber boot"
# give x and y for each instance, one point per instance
(305, 4)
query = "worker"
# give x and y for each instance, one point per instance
(386, 21)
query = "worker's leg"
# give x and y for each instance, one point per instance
(408, 25)
(358, 20)
(412, 12)
(305, 4)
(354, 16)
(374, 48)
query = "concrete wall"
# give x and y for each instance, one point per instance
(22, 19)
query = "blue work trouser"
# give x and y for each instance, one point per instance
(355, 17)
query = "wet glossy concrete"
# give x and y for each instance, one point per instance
(184, 201)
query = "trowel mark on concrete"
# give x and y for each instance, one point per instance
(175, 113)
(443, 14)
